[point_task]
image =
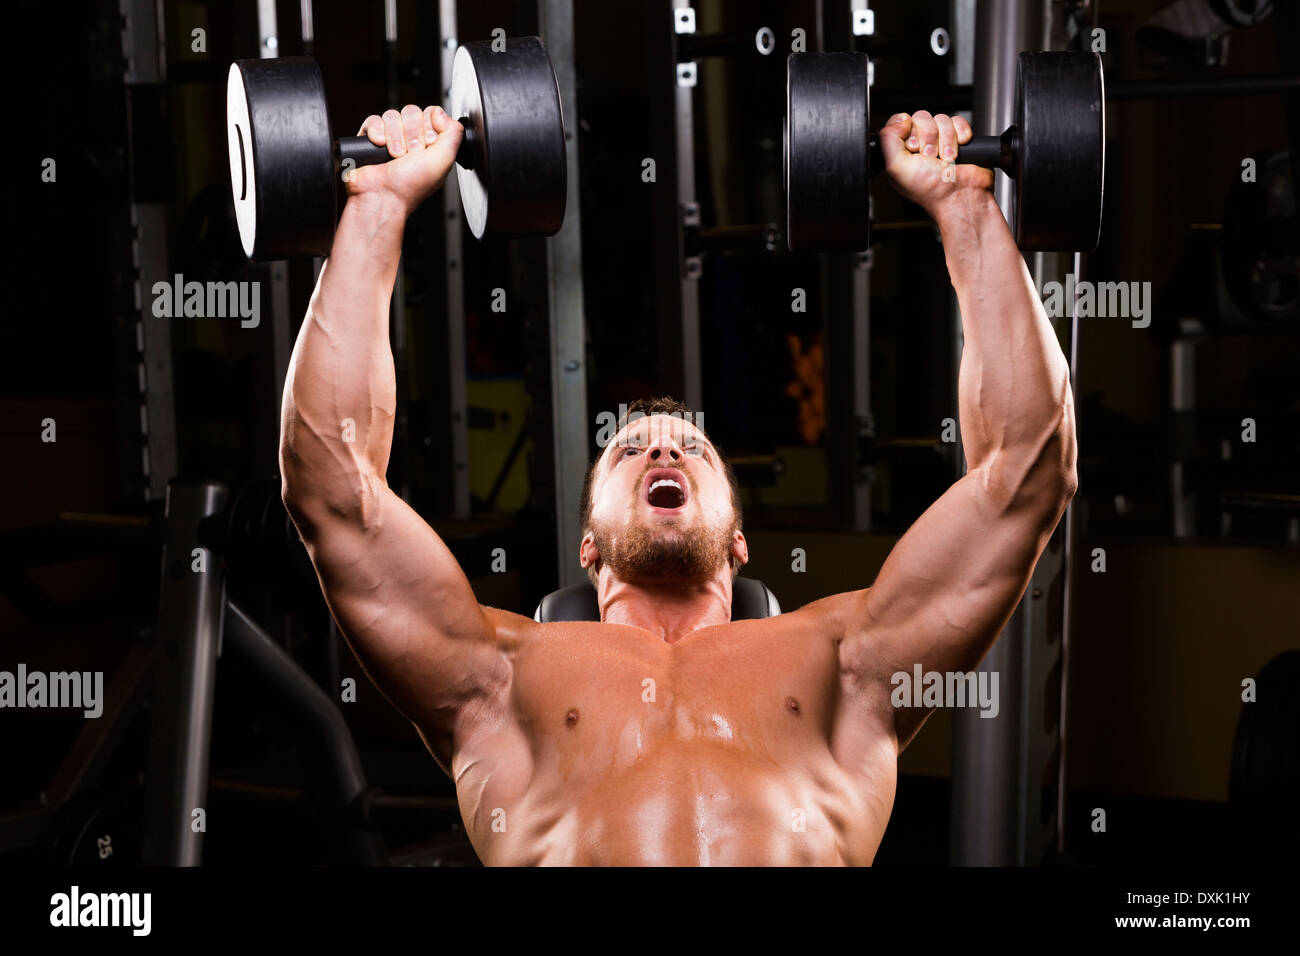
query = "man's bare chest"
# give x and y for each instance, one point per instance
(749, 686)
(612, 729)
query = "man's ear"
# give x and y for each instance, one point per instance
(588, 553)
(739, 549)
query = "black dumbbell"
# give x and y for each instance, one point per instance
(1054, 150)
(286, 165)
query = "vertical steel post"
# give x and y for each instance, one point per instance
(990, 773)
(191, 608)
(455, 358)
(268, 47)
(676, 274)
(689, 214)
(847, 284)
(144, 49)
(1068, 575)
(568, 327)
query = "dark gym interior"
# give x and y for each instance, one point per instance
(1180, 580)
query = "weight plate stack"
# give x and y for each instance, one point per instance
(1060, 160)
(826, 152)
(518, 159)
(281, 158)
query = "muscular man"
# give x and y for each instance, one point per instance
(666, 733)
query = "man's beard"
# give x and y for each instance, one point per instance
(643, 555)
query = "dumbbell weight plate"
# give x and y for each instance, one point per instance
(1263, 782)
(826, 152)
(510, 105)
(1061, 157)
(1057, 161)
(100, 828)
(282, 166)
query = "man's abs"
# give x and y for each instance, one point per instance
(718, 750)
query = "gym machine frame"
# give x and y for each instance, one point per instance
(176, 671)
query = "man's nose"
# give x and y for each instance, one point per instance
(665, 449)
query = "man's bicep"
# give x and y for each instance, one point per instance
(407, 610)
(952, 580)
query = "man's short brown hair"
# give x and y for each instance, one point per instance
(663, 405)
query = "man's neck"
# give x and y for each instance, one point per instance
(669, 610)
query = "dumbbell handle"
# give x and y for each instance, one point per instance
(991, 152)
(361, 152)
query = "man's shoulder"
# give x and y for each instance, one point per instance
(834, 611)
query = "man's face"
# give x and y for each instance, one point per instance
(661, 506)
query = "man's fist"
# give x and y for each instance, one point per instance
(920, 151)
(422, 144)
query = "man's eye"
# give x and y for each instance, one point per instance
(695, 451)
(630, 449)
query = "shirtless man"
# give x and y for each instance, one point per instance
(666, 733)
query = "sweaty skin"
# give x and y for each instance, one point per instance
(666, 734)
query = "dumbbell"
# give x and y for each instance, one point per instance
(286, 165)
(1054, 151)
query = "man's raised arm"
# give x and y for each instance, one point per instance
(952, 581)
(399, 596)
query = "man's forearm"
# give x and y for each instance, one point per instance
(340, 392)
(1013, 388)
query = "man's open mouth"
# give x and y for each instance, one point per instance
(665, 489)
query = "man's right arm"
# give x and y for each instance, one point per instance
(399, 596)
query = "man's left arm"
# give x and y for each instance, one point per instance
(952, 581)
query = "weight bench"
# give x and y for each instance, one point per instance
(750, 599)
